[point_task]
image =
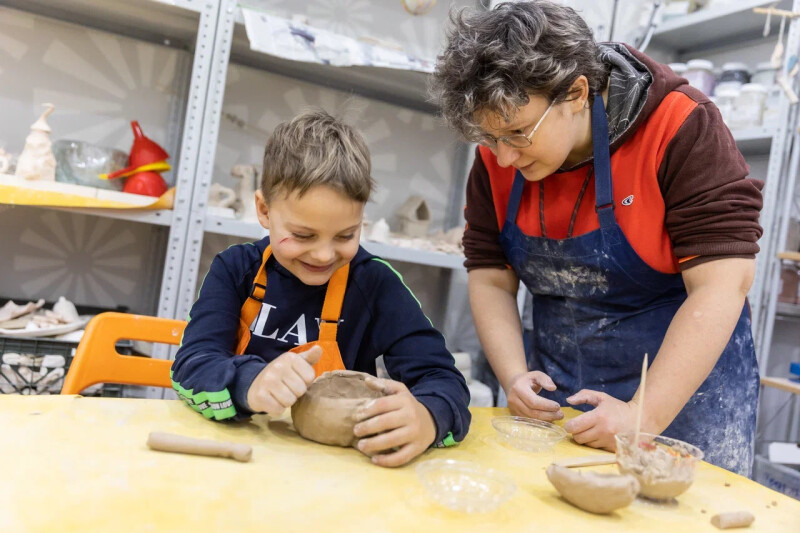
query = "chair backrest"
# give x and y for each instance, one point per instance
(98, 361)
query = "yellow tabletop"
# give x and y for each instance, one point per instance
(80, 464)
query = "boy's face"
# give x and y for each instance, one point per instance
(312, 235)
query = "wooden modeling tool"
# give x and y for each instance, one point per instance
(587, 460)
(641, 403)
(168, 442)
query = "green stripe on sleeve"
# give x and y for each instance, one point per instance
(379, 260)
(212, 405)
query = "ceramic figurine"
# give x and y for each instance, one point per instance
(415, 217)
(37, 162)
(246, 190)
(220, 196)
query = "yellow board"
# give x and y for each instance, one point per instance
(81, 464)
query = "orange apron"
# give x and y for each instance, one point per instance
(331, 310)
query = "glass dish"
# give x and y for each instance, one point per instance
(665, 467)
(528, 434)
(464, 486)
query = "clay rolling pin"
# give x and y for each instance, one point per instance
(732, 520)
(168, 442)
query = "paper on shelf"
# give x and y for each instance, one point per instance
(17, 191)
(289, 39)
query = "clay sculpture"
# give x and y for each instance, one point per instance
(37, 162)
(664, 467)
(592, 491)
(326, 412)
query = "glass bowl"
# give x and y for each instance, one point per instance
(465, 486)
(528, 434)
(665, 467)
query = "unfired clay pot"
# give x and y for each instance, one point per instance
(326, 412)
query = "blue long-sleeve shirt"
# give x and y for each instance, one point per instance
(380, 315)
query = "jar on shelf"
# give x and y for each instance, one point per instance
(750, 105)
(733, 76)
(765, 74)
(726, 102)
(700, 74)
(678, 68)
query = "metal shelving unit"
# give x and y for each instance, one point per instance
(715, 27)
(186, 24)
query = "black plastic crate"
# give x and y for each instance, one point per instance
(42, 365)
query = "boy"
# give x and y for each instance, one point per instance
(246, 349)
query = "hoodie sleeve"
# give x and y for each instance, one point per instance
(712, 207)
(205, 373)
(415, 352)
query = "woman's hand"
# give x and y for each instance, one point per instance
(283, 381)
(609, 417)
(396, 428)
(524, 399)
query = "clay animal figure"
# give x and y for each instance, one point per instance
(592, 491)
(326, 412)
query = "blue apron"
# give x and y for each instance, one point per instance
(598, 308)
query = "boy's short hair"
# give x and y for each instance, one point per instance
(315, 148)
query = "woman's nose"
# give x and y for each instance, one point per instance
(506, 155)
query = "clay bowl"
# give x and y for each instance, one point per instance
(326, 412)
(465, 486)
(528, 434)
(664, 467)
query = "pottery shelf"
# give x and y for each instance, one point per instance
(253, 231)
(786, 310)
(172, 22)
(716, 26)
(754, 141)
(405, 88)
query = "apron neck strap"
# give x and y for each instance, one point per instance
(604, 192)
(331, 308)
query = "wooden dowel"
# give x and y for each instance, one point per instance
(168, 442)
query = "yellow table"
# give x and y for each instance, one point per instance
(80, 464)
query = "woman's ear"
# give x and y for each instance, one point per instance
(262, 209)
(579, 94)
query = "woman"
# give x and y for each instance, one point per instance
(615, 193)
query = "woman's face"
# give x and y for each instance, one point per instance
(558, 135)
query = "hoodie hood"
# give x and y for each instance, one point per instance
(637, 84)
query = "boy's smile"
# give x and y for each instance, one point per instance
(312, 235)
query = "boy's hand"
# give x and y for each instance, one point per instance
(283, 381)
(397, 421)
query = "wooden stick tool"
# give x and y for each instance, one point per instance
(169, 442)
(641, 403)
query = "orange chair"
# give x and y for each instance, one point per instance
(97, 360)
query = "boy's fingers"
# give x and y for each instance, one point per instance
(379, 424)
(398, 458)
(295, 384)
(386, 386)
(283, 395)
(303, 369)
(312, 355)
(586, 396)
(378, 406)
(384, 441)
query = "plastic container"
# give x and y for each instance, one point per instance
(778, 477)
(665, 467)
(765, 74)
(750, 106)
(726, 102)
(528, 434)
(738, 72)
(700, 74)
(678, 68)
(465, 486)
